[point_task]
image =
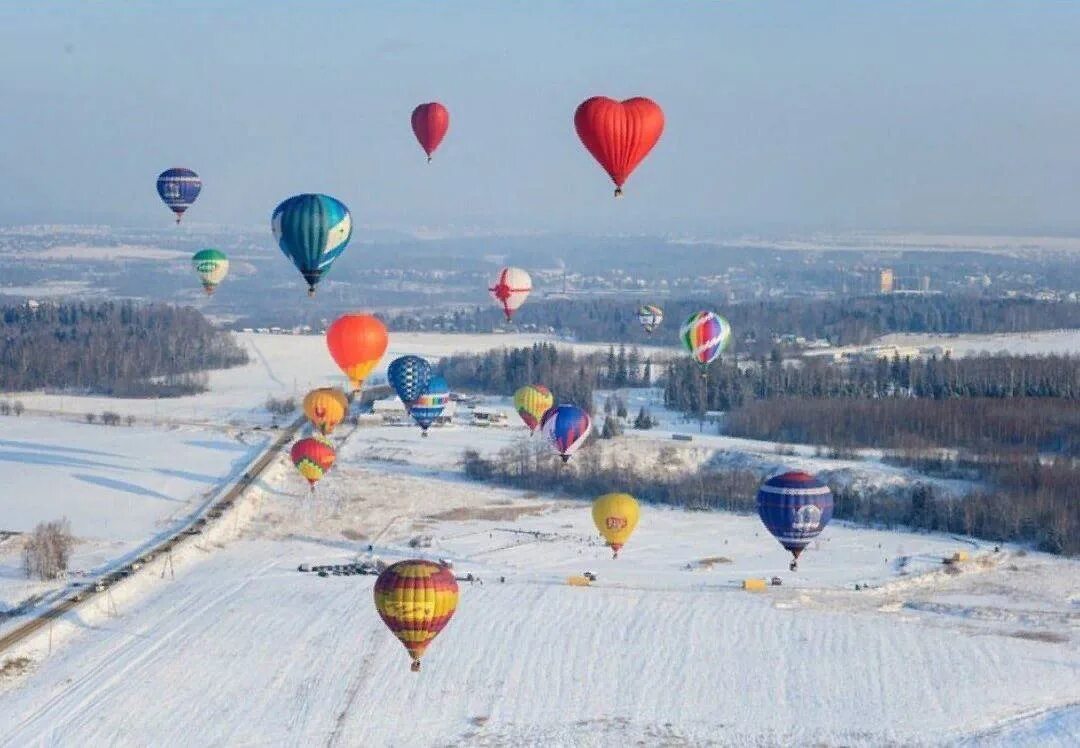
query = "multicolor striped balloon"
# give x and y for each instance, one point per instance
(313, 457)
(409, 376)
(430, 405)
(212, 266)
(706, 335)
(312, 231)
(178, 187)
(511, 289)
(531, 402)
(795, 507)
(566, 427)
(650, 316)
(416, 599)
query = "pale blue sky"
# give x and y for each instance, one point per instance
(780, 115)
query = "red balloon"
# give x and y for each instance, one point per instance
(619, 134)
(430, 123)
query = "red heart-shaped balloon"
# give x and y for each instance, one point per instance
(619, 134)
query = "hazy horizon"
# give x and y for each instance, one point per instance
(781, 118)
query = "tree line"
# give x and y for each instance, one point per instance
(726, 385)
(112, 348)
(1029, 500)
(841, 321)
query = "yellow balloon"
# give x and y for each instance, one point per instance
(326, 407)
(616, 516)
(531, 402)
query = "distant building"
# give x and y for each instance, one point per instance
(886, 280)
(924, 284)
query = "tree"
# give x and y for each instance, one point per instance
(620, 408)
(18, 408)
(644, 420)
(130, 420)
(612, 428)
(90, 417)
(48, 550)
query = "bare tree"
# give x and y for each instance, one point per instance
(48, 550)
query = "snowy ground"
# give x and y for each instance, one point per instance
(119, 486)
(1040, 343)
(241, 649)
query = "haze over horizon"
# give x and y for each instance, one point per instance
(780, 117)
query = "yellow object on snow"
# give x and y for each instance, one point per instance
(754, 585)
(578, 581)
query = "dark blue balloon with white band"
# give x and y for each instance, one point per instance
(431, 403)
(795, 507)
(178, 187)
(409, 376)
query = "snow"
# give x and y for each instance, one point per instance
(1038, 343)
(119, 486)
(242, 649)
(665, 648)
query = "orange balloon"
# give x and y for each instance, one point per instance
(357, 342)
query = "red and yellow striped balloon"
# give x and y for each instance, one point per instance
(416, 599)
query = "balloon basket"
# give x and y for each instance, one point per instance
(415, 667)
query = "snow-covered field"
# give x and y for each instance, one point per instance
(119, 486)
(664, 649)
(241, 649)
(1016, 344)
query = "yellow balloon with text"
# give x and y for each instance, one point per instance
(616, 515)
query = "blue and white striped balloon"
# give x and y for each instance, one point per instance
(409, 376)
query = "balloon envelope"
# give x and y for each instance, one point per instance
(431, 403)
(416, 599)
(178, 187)
(211, 265)
(326, 407)
(795, 507)
(429, 123)
(566, 427)
(312, 231)
(615, 516)
(531, 402)
(357, 342)
(650, 316)
(512, 287)
(619, 134)
(706, 335)
(409, 376)
(313, 456)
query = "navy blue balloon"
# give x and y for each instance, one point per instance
(795, 508)
(409, 376)
(178, 187)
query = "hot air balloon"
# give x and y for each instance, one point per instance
(212, 266)
(619, 134)
(409, 376)
(312, 231)
(326, 407)
(616, 516)
(795, 508)
(511, 289)
(431, 403)
(650, 316)
(705, 335)
(532, 401)
(416, 599)
(430, 123)
(566, 427)
(357, 342)
(313, 456)
(178, 188)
